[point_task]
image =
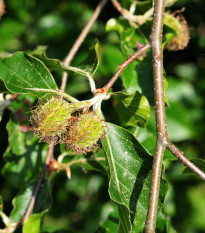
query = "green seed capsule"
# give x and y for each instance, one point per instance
(50, 119)
(84, 132)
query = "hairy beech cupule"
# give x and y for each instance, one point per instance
(59, 121)
(50, 119)
(84, 132)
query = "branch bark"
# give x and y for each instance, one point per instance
(156, 43)
(163, 141)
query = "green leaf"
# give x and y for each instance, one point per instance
(118, 25)
(1, 204)
(148, 140)
(129, 75)
(33, 223)
(23, 198)
(16, 138)
(145, 77)
(125, 223)
(23, 73)
(87, 68)
(134, 109)
(110, 225)
(129, 168)
(22, 169)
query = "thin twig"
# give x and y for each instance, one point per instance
(35, 194)
(140, 19)
(179, 154)
(122, 66)
(79, 41)
(163, 141)
(156, 43)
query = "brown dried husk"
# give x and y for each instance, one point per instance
(180, 41)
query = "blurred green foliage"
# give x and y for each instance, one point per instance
(82, 204)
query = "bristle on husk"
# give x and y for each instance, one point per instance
(85, 130)
(50, 119)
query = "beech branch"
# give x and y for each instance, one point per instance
(163, 141)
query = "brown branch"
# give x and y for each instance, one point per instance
(122, 66)
(156, 43)
(163, 141)
(79, 41)
(140, 19)
(179, 154)
(35, 194)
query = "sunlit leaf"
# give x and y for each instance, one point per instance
(23, 198)
(33, 223)
(129, 166)
(22, 73)
(20, 170)
(16, 138)
(133, 109)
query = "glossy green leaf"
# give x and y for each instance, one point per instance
(22, 73)
(129, 169)
(134, 109)
(33, 223)
(16, 138)
(23, 198)
(22, 169)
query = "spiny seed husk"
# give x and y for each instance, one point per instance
(84, 132)
(50, 119)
